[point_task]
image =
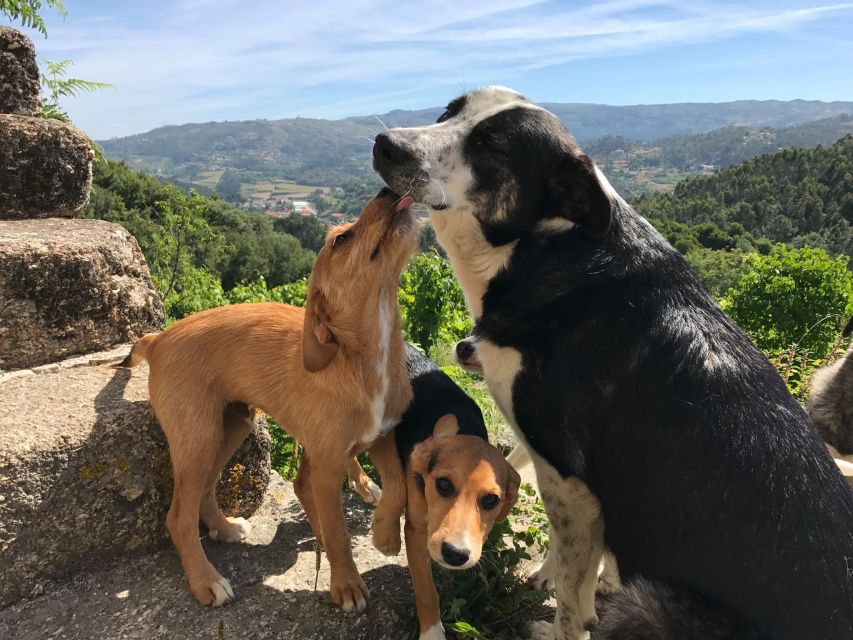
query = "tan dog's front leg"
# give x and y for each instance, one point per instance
(577, 543)
(420, 567)
(347, 588)
(386, 517)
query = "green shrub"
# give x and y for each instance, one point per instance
(431, 301)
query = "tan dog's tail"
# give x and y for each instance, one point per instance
(139, 351)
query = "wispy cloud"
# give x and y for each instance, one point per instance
(199, 60)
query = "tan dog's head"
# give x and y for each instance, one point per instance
(359, 263)
(468, 486)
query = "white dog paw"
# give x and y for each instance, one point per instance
(375, 493)
(435, 632)
(370, 493)
(222, 592)
(237, 530)
(544, 577)
(540, 630)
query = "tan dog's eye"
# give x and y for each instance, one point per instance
(444, 487)
(340, 239)
(489, 502)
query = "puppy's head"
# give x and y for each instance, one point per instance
(468, 486)
(358, 260)
(498, 157)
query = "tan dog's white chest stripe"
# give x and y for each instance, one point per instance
(382, 423)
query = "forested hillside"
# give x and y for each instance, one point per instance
(799, 196)
(232, 245)
(264, 158)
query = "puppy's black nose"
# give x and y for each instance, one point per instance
(453, 556)
(464, 350)
(389, 152)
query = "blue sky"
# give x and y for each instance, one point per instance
(201, 60)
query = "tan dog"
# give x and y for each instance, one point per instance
(332, 375)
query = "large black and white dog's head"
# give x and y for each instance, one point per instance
(496, 155)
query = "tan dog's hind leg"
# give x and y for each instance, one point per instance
(386, 517)
(577, 543)
(193, 448)
(237, 425)
(347, 588)
(305, 495)
(361, 483)
(420, 568)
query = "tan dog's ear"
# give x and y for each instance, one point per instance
(319, 345)
(513, 481)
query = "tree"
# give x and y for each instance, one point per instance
(28, 12)
(310, 232)
(793, 298)
(178, 246)
(431, 301)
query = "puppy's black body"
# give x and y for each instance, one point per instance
(721, 504)
(434, 394)
(709, 473)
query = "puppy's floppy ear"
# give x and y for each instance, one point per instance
(319, 344)
(575, 193)
(848, 327)
(513, 481)
(445, 427)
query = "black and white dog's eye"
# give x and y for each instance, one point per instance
(339, 240)
(444, 487)
(489, 502)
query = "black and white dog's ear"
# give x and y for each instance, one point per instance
(848, 327)
(576, 193)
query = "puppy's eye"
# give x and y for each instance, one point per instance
(489, 502)
(444, 487)
(339, 240)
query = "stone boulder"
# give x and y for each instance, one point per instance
(20, 90)
(45, 168)
(85, 471)
(69, 287)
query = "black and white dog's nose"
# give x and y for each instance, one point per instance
(453, 556)
(389, 152)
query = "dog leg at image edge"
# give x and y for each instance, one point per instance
(577, 546)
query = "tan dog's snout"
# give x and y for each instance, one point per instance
(468, 486)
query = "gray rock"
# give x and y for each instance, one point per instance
(20, 91)
(70, 287)
(85, 474)
(45, 168)
(273, 575)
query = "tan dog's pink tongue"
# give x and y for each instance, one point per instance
(402, 203)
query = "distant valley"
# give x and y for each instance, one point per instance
(643, 148)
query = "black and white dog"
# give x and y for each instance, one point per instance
(656, 428)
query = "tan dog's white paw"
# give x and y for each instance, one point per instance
(212, 590)
(350, 594)
(237, 530)
(371, 493)
(222, 592)
(543, 578)
(435, 632)
(386, 536)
